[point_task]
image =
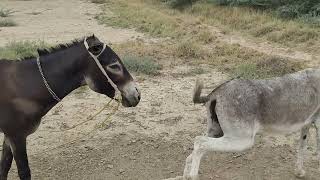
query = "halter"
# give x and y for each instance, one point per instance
(95, 57)
(53, 94)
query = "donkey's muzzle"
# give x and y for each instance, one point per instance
(130, 95)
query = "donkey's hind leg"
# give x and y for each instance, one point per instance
(301, 151)
(214, 129)
(6, 159)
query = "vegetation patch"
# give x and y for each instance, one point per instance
(5, 12)
(262, 24)
(141, 17)
(4, 22)
(266, 68)
(143, 65)
(191, 42)
(21, 49)
(189, 49)
(98, 1)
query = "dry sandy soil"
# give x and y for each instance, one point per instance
(57, 21)
(149, 142)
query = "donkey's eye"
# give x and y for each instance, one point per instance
(96, 49)
(115, 67)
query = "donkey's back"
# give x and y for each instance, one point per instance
(282, 104)
(286, 103)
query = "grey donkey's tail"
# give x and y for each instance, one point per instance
(198, 99)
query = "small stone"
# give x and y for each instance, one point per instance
(121, 171)
(110, 166)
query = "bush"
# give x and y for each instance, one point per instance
(5, 12)
(7, 23)
(266, 68)
(142, 65)
(189, 49)
(288, 9)
(179, 4)
(21, 49)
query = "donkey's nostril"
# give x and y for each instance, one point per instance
(139, 96)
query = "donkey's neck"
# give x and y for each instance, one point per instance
(64, 69)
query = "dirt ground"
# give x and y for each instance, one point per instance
(149, 142)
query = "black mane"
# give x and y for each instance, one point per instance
(59, 47)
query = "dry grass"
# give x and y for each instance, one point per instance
(21, 49)
(191, 41)
(144, 65)
(137, 15)
(266, 68)
(261, 24)
(189, 49)
(206, 37)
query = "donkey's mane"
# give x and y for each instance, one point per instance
(59, 47)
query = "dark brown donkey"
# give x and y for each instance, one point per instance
(31, 87)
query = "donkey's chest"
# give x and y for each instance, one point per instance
(26, 107)
(30, 114)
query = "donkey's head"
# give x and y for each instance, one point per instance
(106, 73)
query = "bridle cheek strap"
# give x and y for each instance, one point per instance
(95, 57)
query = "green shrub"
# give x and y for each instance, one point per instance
(7, 23)
(179, 4)
(5, 12)
(98, 1)
(21, 49)
(288, 9)
(144, 65)
(266, 68)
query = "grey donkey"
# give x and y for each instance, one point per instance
(239, 109)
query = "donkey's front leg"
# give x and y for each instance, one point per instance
(19, 151)
(6, 159)
(317, 126)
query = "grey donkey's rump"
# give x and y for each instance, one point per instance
(239, 109)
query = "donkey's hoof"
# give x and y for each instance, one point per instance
(191, 178)
(300, 173)
(176, 178)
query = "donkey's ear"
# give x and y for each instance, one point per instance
(42, 52)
